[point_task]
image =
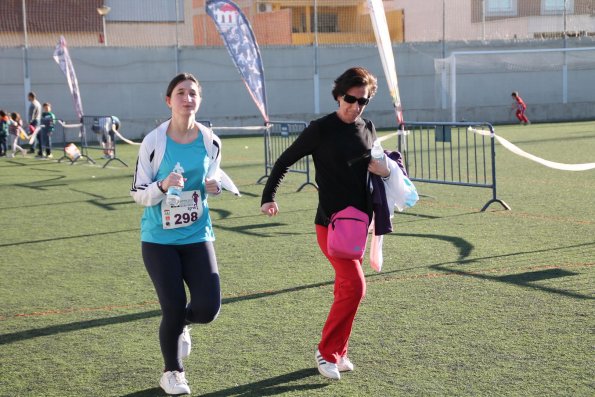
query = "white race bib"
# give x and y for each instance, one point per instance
(185, 214)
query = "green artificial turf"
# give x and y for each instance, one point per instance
(469, 303)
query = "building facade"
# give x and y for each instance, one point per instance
(162, 23)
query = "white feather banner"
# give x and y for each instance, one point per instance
(385, 48)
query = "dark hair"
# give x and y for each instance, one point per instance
(32, 95)
(15, 116)
(2, 113)
(514, 93)
(178, 79)
(355, 77)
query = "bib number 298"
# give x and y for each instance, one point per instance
(184, 218)
(189, 211)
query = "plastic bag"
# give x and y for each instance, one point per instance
(376, 257)
(22, 134)
(402, 189)
(72, 151)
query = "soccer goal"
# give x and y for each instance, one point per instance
(471, 79)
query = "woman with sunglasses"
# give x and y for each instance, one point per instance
(339, 144)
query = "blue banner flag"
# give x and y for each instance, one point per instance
(236, 32)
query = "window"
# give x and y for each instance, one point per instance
(327, 22)
(556, 7)
(500, 8)
(145, 10)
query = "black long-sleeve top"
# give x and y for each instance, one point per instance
(333, 145)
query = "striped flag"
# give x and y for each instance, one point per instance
(236, 32)
(62, 58)
(386, 53)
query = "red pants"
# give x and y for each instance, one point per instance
(520, 114)
(350, 289)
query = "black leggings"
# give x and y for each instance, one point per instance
(169, 266)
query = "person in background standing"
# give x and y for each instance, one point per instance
(34, 119)
(4, 126)
(48, 123)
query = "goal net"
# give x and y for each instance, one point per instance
(468, 79)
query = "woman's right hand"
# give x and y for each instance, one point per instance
(271, 208)
(173, 179)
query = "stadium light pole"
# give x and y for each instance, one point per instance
(26, 77)
(443, 73)
(177, 38)
(316, 72)
(565, 65)
(103, 11)
(483, 20)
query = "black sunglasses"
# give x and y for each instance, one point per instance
(351, 99)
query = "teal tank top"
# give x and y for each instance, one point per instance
(194, 160)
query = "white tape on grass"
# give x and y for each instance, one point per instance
(128, 141)
(520, 152)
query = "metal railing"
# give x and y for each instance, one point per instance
(451, 153)
(278, 136)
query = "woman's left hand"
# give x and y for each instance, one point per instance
(213, 186)
(379, 167)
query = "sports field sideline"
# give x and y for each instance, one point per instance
(498, 303)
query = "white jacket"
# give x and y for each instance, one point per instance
(144, 188)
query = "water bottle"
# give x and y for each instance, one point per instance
(173, 196)
(377, 152)
(174, 192)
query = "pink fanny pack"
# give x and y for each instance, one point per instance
(348, 233)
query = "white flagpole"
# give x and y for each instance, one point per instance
(384, 45)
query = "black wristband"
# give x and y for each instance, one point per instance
(160, 187)
(386, 178)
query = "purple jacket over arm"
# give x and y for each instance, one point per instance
(382, 222)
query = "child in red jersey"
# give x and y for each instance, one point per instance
(520, 106)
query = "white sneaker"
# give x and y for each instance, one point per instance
(345, 364)
(330, 370)
(184, 343)
(174, 382)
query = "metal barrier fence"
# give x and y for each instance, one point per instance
(66, 134)
(97, 134)
(278, 136)
(94, 133)
(206, 123)
(451, 153)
